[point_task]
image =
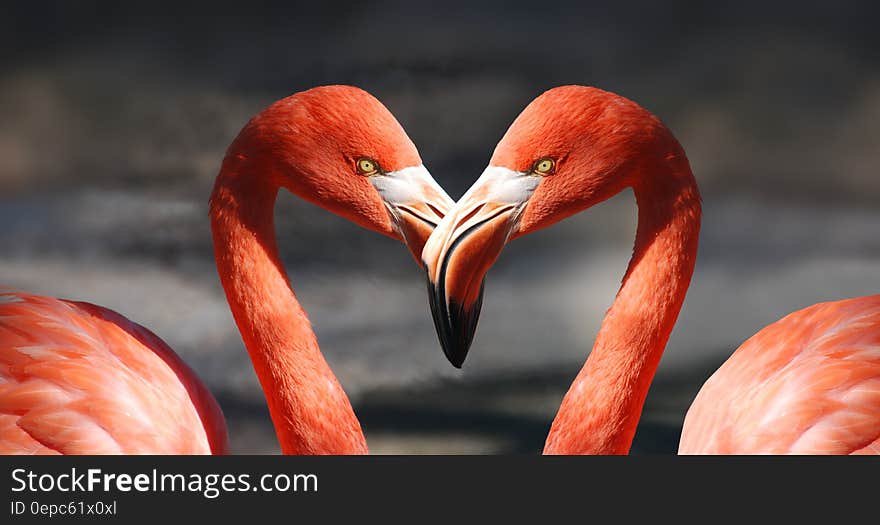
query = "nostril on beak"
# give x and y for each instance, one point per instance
(468, 216)
(434, 209)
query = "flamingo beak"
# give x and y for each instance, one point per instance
(463, 247)
(415, 202)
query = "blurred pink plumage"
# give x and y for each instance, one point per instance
(76, 378)
(808, 383)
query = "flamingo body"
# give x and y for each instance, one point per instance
(76, 378)
(806, 384)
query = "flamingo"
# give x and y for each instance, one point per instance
(809, 383)
(76, 378)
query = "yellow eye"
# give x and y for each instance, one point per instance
(367, 166)
(544, 166)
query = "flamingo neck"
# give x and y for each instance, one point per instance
(309, 409)
(601, 410)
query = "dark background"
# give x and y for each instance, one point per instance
(114, 118)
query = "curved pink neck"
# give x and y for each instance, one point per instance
(309, 409)
(601, 410)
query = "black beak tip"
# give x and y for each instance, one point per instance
(455, 355)
(455, 324)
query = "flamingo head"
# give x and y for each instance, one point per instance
(340, 148)
(570, 148)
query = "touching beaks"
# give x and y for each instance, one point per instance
(415, 202)
(462, 249)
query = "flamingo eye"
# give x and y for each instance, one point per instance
(367, 166)
(544, 166)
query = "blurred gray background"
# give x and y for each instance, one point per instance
(115, 119)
